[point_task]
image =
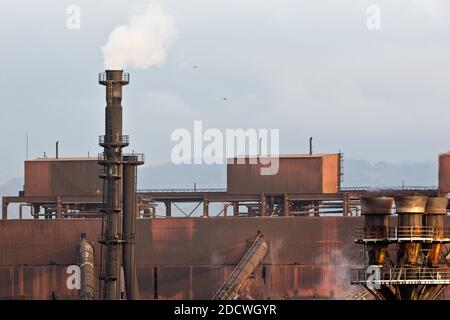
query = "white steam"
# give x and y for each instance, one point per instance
(142, 42)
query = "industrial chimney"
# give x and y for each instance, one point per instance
(117, 232)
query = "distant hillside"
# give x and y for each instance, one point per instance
(11, 187)
(382, 174)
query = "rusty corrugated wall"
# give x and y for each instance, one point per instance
(444, 173)
(62, 177)
(296, 174)
(188, 258)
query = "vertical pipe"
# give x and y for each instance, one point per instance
(113, 142)
(36, 210)
(87, 271)
(155, 283)
(205, 207)
(285, 205)
(168, 205)
(57, 150)
(345, 204)
(262, 205)
(58, 207)
(4, 209)
(236, 208)
(129, 220)
(310, 145)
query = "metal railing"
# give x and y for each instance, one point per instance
(101, 157)
(119, 140)
(138, 157)
(182, 190)
(126, 157)
(354, 188)
(406, 188)
(402, 233)
(103, 77)
(401, 275)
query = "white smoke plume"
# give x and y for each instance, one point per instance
(142, 42)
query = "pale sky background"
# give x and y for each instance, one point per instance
(309, 68)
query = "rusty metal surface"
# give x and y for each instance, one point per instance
(410, 204)
(444, 173)
(436, 205)
(62, 177)
(376, 212)
(296, 174)
(376, 205)
(308, 256)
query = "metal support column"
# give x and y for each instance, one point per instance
(205, 207)
(168, 205)
(36, 210)
(345, 205)
(285, 205)
(4, 209)
(262, 205)
(130, 163)
(58, 207)
(236, 208)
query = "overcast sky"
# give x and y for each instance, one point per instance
(309, 68)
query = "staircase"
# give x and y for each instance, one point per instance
(240, 275)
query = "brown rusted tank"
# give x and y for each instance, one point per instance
(410, 210)
(436, 211)
(376, 212)
(444, 174)
(49, 177)
(298, 173)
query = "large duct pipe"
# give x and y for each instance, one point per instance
(436, 211)
(410, 210)
(130, 163)
(113, 141)
(87, 271)
(376, 212)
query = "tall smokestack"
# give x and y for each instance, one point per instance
(112, 142)
(130, 163)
